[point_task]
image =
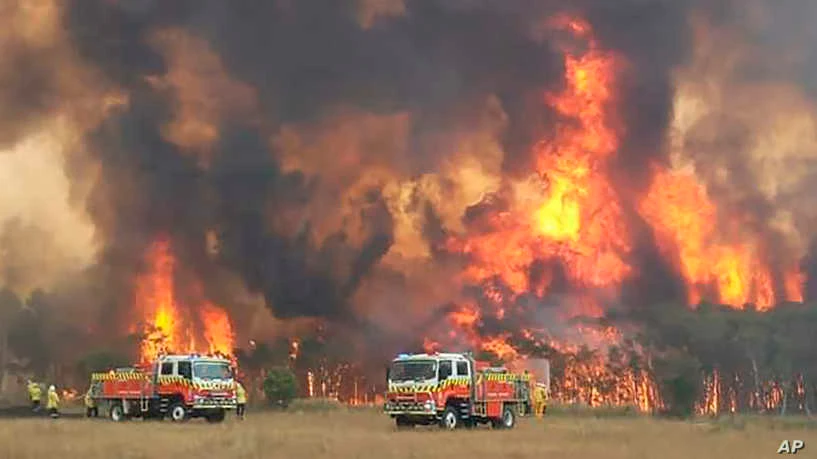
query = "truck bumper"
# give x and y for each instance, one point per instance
(412, 409)
(214, 404)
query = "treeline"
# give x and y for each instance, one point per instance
(322, 368)
(39, 339)
(726, 359)
(711, 359)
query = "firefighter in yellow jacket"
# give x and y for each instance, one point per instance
(539, 400)
(34, 394)
(53, 402)
(91, 410)
(240, 399)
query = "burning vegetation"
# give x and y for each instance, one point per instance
(173, 326)
(573, 184)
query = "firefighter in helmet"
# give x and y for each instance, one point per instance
(241, 400)
(53, 402)
(539, 400)
(91, 410)
(34, 394)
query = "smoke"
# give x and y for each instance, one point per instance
(744, 118)
(331, 149)
(49, 99)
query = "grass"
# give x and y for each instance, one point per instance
(309, 432)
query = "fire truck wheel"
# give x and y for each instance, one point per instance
(402, 423)
(507, 421)
(450, 419)
(178, 413)
(117, 412)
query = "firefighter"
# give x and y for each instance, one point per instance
(539, 400)
(34, 394)
(241, 400)
(91, 410)
(53, 402)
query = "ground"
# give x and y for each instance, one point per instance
(363, 433)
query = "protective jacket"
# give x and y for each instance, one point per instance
(34, 392)
(240, 394)
(53, 400)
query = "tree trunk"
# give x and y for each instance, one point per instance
(784, 388)
(759, 396)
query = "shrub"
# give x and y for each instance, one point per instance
(280, 386)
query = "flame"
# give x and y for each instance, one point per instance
(499, 347)
(218, 331)
(294, 349)
(687, 229)
(69, 395)
(174, 327)
(568, 211)
(568, 216)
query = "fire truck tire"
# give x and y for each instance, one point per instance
(403, 423)
(215, 417)
(178, 413)
(117, 412)
(450, 419)
(507, 421)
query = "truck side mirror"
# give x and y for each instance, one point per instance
(388, 373)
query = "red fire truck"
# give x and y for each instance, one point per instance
(177, 386)
(453, 390)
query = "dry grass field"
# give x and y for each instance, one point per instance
(368, 434)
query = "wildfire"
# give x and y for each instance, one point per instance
(572, 216)
(568, 218)
(173, 326)
(686, 226)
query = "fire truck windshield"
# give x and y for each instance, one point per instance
(409, 370)
(211, 370)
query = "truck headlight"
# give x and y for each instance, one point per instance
(429, 405)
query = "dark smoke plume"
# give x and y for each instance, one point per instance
(306, 61)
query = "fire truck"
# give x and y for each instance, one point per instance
(454, 390)
(176, 386)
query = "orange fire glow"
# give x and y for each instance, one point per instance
(173, 327)
(574, 216)
(686, 226)
(569, 214)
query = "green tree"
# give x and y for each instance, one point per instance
(280, 386)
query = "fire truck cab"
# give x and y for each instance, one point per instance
(177, 386)
(454, 390)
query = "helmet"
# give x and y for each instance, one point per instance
(51, 387)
